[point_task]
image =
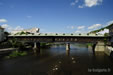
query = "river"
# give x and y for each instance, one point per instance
(80, 60)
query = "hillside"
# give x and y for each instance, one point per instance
(98, 30)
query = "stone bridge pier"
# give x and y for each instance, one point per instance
(99, 46)
(67, 46)
(36, 47)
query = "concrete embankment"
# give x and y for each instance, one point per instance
(6, 51)
(102, 48)
(109, 51)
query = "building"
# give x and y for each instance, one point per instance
(32, 30)
(111, 30)
(2, 35)
(111, 33)
(103, 31)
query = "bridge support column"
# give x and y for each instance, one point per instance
(100, 46)
(67, 46)
(36, 47)
(67, 52)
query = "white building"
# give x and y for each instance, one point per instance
(32, 30)
(2, 35)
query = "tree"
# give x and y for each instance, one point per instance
(6, 33)
(22, 33)
(106, 34)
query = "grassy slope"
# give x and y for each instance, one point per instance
(98, 30)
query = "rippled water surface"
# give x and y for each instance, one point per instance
(80, 60)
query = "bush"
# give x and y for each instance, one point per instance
(90, 44)
(105, 41)
(16, 44)
(106, 34)
(16, 54)
(23, 53)
(45, 45)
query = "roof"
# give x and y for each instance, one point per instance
(61, 34)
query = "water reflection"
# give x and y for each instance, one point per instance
(68, 52)
(63, 68)
(36, 51)
(57, 61)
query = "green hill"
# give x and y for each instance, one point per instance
(98, 30)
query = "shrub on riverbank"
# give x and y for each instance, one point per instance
(16, 54)
(89, 44)
(45, 45)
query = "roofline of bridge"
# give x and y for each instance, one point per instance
(53, 36)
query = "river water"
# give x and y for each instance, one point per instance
(80, 60)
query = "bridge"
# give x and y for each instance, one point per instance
(59, 37)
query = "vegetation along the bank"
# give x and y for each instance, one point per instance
(16, 53)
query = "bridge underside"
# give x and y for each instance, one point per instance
(58, 39)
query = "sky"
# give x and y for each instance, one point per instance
(60, 16)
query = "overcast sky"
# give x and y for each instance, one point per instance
(63, 16)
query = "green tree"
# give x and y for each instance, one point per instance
(106, 34)
(22, 32)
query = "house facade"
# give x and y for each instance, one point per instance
(2, 35)
(111, 34)
(111, 30)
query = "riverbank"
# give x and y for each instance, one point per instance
(6, 51)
